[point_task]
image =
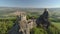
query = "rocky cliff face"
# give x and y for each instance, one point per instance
(43, 19)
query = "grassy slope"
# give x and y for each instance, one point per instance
(56, 24)
(51, 29)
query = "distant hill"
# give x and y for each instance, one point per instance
(12, 10)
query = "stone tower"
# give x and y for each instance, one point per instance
(25, 25)
(23, 16)
(22, 23)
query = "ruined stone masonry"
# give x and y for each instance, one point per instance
(22, 25)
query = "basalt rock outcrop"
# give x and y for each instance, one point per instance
(43, 20)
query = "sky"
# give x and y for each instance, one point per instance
(30, 3)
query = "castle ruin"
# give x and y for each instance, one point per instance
(22, 25)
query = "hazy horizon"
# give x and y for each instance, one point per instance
(30, 3)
